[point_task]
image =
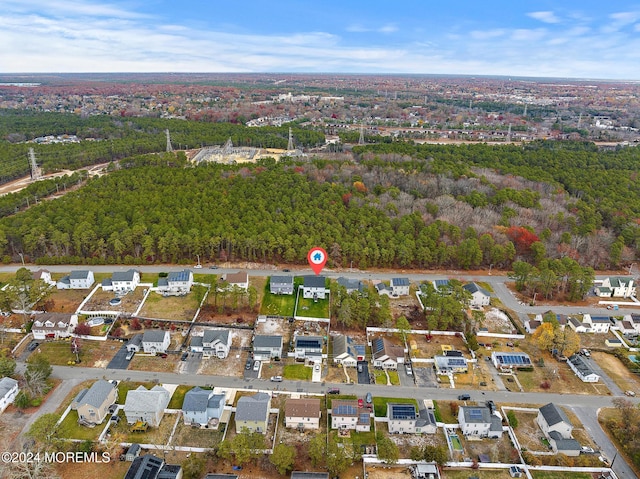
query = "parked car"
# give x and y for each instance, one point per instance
(214, 266)
(587, 450)
(247, 365)
(491, 405)
(359, 368)
(163, 355)
(464, 397)
(184, 356)
(33, 346)
(360, 403)
(316, 367)
(368, 398)
(408, 369)
(276, 379)
(129, 356)
(198, 266)
(115, 418)
(630, 393)
(256, 366)
(286, 270)
(333, 391)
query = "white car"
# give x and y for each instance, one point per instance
(316, 368)
(198, 266)
(630, 393)
(276, 379)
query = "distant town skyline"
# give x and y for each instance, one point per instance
(568, 39)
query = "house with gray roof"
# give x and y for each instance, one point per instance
(93, 403)
(134, 344)
(252, 413)
(146, 405)
(155, 341)
(176, 283)
(314, 287)
(553, 418)
(202, 407)
(54, 325)
(266, 347)
(567, 446)
(122, 282)
(386, 355)
(79, 279)
(479, 296)
(281, 284)
(582, 369)
(450, 363)
(152, 467)
(346, 414)
(405, 419)
(347, 352)
(478, 421)
(8, 392)
(616, 287)
(214, 343)
(351, 285)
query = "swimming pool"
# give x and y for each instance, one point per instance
(455, 442)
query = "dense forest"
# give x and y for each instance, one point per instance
(107, 138)
(407, 213)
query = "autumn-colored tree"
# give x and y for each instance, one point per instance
(544, 336)
(522, 237)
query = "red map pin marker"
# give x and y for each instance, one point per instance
(317, 258)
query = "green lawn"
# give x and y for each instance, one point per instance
(479, 473)
(360, 438)
(297, 371)
(277, 304)
(339, 396)
(59, 352)
(380, 376)
(380, 404)
(70, 429)
(313, 309)
(178, 397)
(393, 377)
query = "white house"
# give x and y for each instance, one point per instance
(313, 287)
(134, 344)
(176, 283)
(302, 413)
(509, 360)
(452, 362)
(404, 419)
(122, 282)
(202, 407)
(308, 347)
(590, 324)
(80, 279)
(556, 427)
(44, 276)
(8, 392)
(400, 286)
(477, 421)
(155, 341)
(616, 287)
(266, 347)
(239, 279)
(479, 296)
(212, 343)
(54, 325)
(281, 284)
(146, 405)
(345, 414)
(581, 369)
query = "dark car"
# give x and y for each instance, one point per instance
(184, 356)
(213, 267)
(33, 346)
(491, 405)
(286, 270)
(464, 397)
(248, 364)
(333, 391)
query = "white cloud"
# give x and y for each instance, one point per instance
(359, 28)
(487, 34)
(546, 16)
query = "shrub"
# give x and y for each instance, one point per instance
(545, 385)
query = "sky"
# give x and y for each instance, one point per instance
(539, 38)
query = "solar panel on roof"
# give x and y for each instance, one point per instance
(403, 411)
(457, 362)
(344, 410)
(308, 343)
(442, 282)
(475, 413)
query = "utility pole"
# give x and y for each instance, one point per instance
(36, 171)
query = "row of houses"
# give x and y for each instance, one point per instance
(628, 325)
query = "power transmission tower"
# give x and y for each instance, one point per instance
(36, 171)
(169, 147)
(361, 139)
(509, 133)
(290, 145)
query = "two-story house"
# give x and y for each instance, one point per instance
(252, 413)
(479, 296)
(202, 407)
(54, 325)
(238, 280)
(79, 279)
(385, 354)
(557, 428)
(308, 348)
(155, 341)
(302, 413)
(122, 282)
(146, 405)
(93, 403)
(214, 343)
(267, 347)
(314, 287)
(176, 283)
(400, 286)
(281, 285)
(8, 392)
(347, 352)
(616, 287)
(477, 421)
(345, 414)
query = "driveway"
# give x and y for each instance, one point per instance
(613, 387)
(364, 376)
(192, 364)
(316, 375)
(405, 379)
(119, 361)
(425, 377)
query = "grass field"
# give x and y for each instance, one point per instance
(92, 353)
(171, 307)
(196, 437)
(310, 309)
(70, 429)
(277, 304)
(560, 475)
(297, 371)
(479, 473)
(178, 397)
